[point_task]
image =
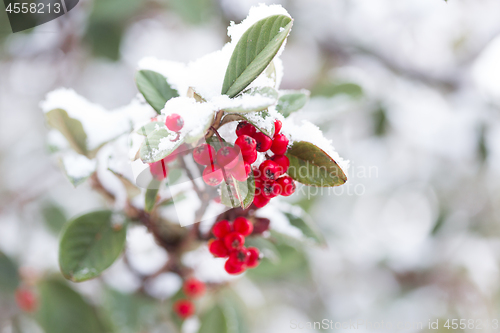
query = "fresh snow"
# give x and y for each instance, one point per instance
(78, 166)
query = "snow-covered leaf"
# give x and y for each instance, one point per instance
(150, 127)
(255, 99)
(131, 188)
(258, 119)
(310, 165)
(63, 310)
(240, 194)
(155, 88)
(77, 168)
(254, 51)
(151, 195)
(305, 224)
(159, 144)
(72, 129)
(291, 101)
(91, 243)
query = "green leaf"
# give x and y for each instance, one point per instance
(155, 88)
(72, 129)
(214, 321)
(255, 99)
(292, 101)
(265, 247)
(151, 195)
(54, 217)
(258, 119)
(9, 276)
(240, 195)
(63, 310)
(150, 127)
(150, 151)
(254, 51)
(305, 224)
(310, 165)
(333, 89)
(90, 244)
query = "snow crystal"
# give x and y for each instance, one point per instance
(246, 101)
(306, 131)
(100, 125)
(78, 166)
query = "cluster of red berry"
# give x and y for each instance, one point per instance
(269, 178)
(228, 243)
(192, 288)
(159, 169)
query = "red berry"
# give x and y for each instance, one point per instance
(260, 201)
(269, 170)
(287, 185)
(234, 241)
(250, 157)
(26, 300)
(194, 288)
(280, 144)
(212, 175)
(246, 143)
(270, 189)
(183, 308)
(283, 163)
(245, 128)
(242, 226)
(174, 122)
(240, 171)
(263, 142)
(159, 169)
(253, 257)
(217, 248)
(221, 228)
(204, 154)
(228, 157)
(232, 269)
(239, 257)
(277, 127)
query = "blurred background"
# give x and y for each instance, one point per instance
(409, 92)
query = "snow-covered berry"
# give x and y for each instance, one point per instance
(174, 122)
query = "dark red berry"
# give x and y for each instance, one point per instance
(242, 226)
(232, 269)
(212, 175)
(194, 288)
(261, 224)
(234, 241)
(184, 308)
(277, 127)
(221, 229)
(260, 201)
(269, 170)
(239, 257)
(280, 144)
(250, 157)
(270, 189)
(245, 128)
(228, 157)
(253, 257)
(283, 163)
(204, 154)
(26, 300)
(263, 142)
(159, 169)
(287, 185)
(218, 248)
(174, 122)
(246, 143)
